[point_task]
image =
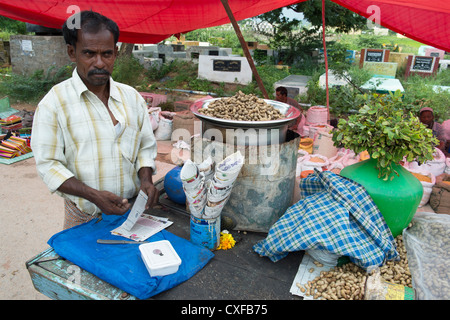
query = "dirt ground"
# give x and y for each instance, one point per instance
(30, 215)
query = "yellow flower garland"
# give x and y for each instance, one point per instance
(226, 241)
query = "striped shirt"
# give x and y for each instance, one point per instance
(73, 136)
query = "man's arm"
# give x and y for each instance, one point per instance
(106, 201)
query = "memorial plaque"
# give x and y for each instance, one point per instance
(373, 55)
(421, 65)
(213, 52)
(227, 65)
(381, 69)
(194, 55)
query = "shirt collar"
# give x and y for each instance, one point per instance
(80, 87)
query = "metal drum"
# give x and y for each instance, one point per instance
(264, 188)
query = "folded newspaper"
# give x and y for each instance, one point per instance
(208, 188)
(139, 226)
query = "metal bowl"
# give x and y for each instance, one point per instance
(255, 132)
(288, 111)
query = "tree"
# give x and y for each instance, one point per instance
(297, 40)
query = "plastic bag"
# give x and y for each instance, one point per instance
(428, 251)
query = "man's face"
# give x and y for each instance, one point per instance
(426, 117)
(280, 97)
(94, 55)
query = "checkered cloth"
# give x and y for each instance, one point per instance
(335, 214)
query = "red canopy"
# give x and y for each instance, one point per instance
(427, 21)
(141, 21)
(151, 21)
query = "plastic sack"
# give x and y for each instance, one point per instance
(122, 265)
(339, 157)
(324, 145)
(154, 117)
(317, 115)
(306, 144)
(447, 165)
(315, 161)
(435, 166)
(427, 179)
(428, 251)
(164, 130)
(440, 195)
(350, 158)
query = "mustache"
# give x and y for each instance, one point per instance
(98, 71)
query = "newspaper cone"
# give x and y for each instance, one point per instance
(220, 186)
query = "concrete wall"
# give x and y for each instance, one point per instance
(30, 53)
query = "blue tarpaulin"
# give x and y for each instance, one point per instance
(121, 264)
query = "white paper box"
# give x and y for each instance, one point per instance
(160, 258)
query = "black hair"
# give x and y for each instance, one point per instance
(90, 22)
(282, 90)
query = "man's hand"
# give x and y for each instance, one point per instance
(145, 175)
(106, 201)
(109, 203)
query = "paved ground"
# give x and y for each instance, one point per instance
(30, 215)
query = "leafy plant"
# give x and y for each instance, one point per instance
(33, 88)
(387, 133)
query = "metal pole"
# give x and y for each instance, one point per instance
(244, 47)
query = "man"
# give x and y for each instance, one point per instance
(426, 116)
(281, 95)
(91, 136)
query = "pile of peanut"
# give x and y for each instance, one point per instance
(348, 281)
(242, 107)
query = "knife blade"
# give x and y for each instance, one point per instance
(102, 241)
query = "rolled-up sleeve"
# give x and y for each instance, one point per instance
(48, 147)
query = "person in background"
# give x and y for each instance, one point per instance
(426, 116)
(281, 95)
(91, 136)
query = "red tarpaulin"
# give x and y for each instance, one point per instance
(151, 21)
(141, 21)
(427, 21)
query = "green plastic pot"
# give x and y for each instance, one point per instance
(397, 199)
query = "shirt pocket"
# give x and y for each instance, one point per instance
(129, 143)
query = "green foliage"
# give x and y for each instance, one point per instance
(10, 26)
(419, 92)
(128, 70)
(344, 99)
(33, 88)
(387, 133)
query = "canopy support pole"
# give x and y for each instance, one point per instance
(244, 47)
(326, 60)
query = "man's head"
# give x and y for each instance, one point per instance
(93, 47)
(426, 116)
(281, 94)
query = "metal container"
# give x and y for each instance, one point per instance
(246, 132)
(264, 188)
